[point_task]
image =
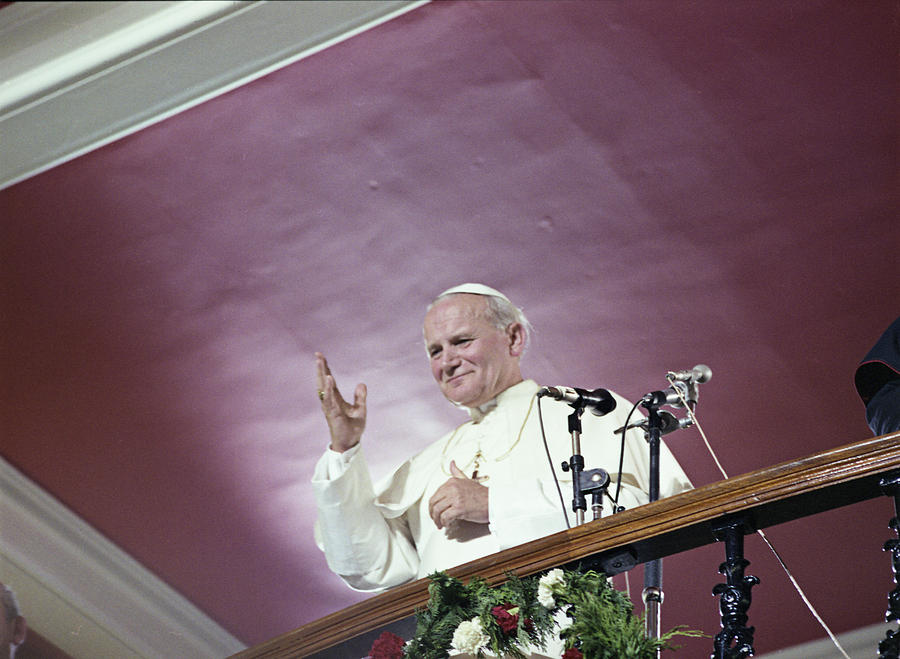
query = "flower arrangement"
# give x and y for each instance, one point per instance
(506, 620)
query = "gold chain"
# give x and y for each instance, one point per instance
(476, 459)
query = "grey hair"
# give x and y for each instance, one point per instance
(501, 313)
(8, 597)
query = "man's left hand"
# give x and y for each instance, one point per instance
(460, 497)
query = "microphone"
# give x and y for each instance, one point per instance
(671, 396)
(668, 422)
(699, 374)
(684, 384)
(599, 401)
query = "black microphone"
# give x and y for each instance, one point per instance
(668, 422)
(599, 401)
(671, 396)
(700, 373)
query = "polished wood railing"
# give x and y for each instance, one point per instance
(781, 493)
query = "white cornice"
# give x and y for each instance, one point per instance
(47, 46)
(859, 643)
(77, 75)
(86, 595)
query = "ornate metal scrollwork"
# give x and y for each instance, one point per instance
(889, 647)
(735, 641)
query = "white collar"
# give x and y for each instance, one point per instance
(524, 390)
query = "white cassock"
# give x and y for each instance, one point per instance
(382, 536)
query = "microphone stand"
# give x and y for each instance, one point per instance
(593, 481)
(576, 466)
(653, 593)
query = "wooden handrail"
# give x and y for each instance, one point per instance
(781, 493)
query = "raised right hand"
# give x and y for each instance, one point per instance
(346, 422)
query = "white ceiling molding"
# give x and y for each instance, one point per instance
(87, 596)
(78, 75)
(49, 45)
(861, 642)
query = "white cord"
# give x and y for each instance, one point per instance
(809, 605)
(784, 566)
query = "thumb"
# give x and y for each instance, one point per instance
(359, 396)
(455, 471)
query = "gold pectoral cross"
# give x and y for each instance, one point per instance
(475, 476)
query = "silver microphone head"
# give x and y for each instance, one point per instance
(702, 373)
(699, 374)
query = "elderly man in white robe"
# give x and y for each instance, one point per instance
(486, 486)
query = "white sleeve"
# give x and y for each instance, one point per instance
(366, 550)
(333, 465)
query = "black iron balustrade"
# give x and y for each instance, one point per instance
(889, 648)
(735, 641)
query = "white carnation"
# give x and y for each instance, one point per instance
(469, 637)
(545, 597)
(548, 585)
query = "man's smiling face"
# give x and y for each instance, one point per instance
(472, 360)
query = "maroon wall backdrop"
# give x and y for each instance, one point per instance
(658, 184)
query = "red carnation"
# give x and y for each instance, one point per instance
(387, 646)
(508, 621)
(572, 653)
(528, 625)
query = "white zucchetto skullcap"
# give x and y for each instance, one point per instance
(474, 289)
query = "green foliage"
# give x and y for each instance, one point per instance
(449, 603)
(603, 624)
